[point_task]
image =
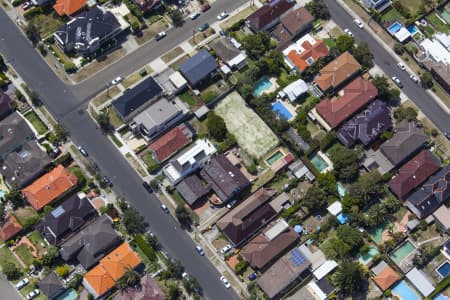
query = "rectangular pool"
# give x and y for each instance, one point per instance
(444, 269)
(402, 252)
(261, 86)
(319, 162)
(281, 111)
(276, 156)
(394, 28)
(68, 295)
(404, 291)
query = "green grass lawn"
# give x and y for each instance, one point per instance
(26, 215)
(329, 42)
(24, 254)
(37, 240)
(7, 256)
(392, 15)
(37, 123)
(46, 24)
(413, 5)
(114, 118)
(149, 161)
(437, 23)
(187, 98)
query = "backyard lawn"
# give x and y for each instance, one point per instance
(37, 241)
(26, 216)
(149, 161)
(392, 15)
(412, 5)
(437, 23)
(37, 123)
(24, 254)
(187, 98)
(7, 256)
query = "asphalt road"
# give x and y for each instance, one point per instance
(389, 65)
(66, 107)
(8, 292)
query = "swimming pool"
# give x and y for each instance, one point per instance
(412, 29)
(444, 269)
(441, 296)
(281, 110)
(341, 190)
(68, 295)
(262, 85)
(2, 194)
(445, 15)
(394, 27)
(404, 291)
(342, 219)
(402, 252)
(274, 157)
(367, 257)
(318, 161)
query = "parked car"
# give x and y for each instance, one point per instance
(358, 23)
(223, 15)
(226, 249)
(397, 81)
(83, 151)
(347, 31)
(200, 250)
(34, 293)
(22, 283)
(54, 153)
(231, 204)
(160, 35)
(222, 33)
(414, 78)
(106, 181)
(205, 7)
(401, 66)
(447, 135)
(147, 186)
(116, 80)
(184, 275)
(252, 276)
(194, 15)
(26, 6)
(164, 208)
(225, 282)
(203, 27)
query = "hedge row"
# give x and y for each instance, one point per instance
(145, 247)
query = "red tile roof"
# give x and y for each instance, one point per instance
(356, 95)
(268, 13)
(169, 143)
(386, 278)
(9, 228)
(414, 173)
(314, 52)
(68, 7)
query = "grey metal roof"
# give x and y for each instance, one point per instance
(157, 114)
(51, 286)
(224, 49)
(198, 67)
(14, 132)
(192, 188)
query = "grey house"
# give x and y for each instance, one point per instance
(14, 133)
(51, 286)
(378, 5)
(198, 68)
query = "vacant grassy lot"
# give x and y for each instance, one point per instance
(413, 5)
(7, 256)
(37, 123)
(392, 15)
(251, 133)
(169, 56)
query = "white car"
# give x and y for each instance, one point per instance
(358, 23)
(200, 250)
(83, 151)
(401, 66)
(116, 80)
(347, 31)
(165, 208)
(22, 283)
(160, 35)
(231, 204)
(414, 78)
(184, 275)
(222, 15)
(226, 249)
(225, 282)
(194, 15)
(34, 293)
(397, 81)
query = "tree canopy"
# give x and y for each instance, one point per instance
(405, 113)
(426, 79)
(350, 235)
(344, 43)
(363, 55)
(385, 92)
(133, 221)
(345, 162)
(315, 198)
(216, 127)
(319, 9)
(350, 277)
(183, 216)
(15, 196)
(257, 44)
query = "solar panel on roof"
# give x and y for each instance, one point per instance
(297, 258)
(57, 212)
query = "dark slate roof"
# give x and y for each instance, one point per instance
(198, 67)
(5, 104)
(66, 219)
(192, 188)
(133, 98)
(92, 243)
(14, 132)
(51, 286)
(269, 12)
(25, 164)
(224, 49)
(325, 286)
(433, 193)
(367, 125)
(225, 179)
(87, 26)
(408, 138)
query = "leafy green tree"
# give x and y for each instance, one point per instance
(2, 211)
(391, 203)
(133, 221)
(191, 285)
(175, 268)
(363, 55)
(376, 214)
(385, 92)
(11, 271)
(62, 271)
(174, 292)
(405, 113)
(129, 279)
(50, 257)
(327, 182)
(61, 132)
(257, 44)
(216, 127)
(344, 43)
(15, 196)
(350, 277)
(183, 216)
(399, 49)
(318, 9)
(176, 16)
(103, 121)
(426, 79)
(315, 199)
(345, 162)
(350, 235)
(32, 33)
(369, 186)
(335, 248)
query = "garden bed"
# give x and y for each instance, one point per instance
(37, 123)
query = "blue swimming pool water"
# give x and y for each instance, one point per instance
(341, 189)
(69, 295)
(412, 29)
(441, 297)
(261, 86)
(342, 219)
(282, 111)
(319, 162)
(404, 291)
(2, 194)
(394, 27)
(444, 269)
(367, 257)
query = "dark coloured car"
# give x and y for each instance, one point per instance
(147, 187)
(203, 27)
(205, 7)
(106, 181)
(252, 276)
(83, 151)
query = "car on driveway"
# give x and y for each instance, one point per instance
(225, 282)
(164, 208)
(194, 15)
(358, 23)
(203, 27)
(33, 294)
(22, 283)
(147, 186)
(200, 250)
(26, 6)
(252, 276)
(116, 80)
(83, 151)
(401, 66)
(414, 78)
(397, 81)
(348, 32)
(223, 15)
(226, 249)
(160, 35)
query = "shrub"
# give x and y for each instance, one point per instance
(16, 3)
(80, 176)
(62, 271)
(399, 49)
(236, 26)
(32, 12)
(75, 282)
(145, 247)
(327, 141)
(65, 159)
(241, 267)
(70, 67)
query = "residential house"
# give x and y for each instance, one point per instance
(101, 279)
(73, 214)
(9, 227)
(90, 244)
(366, 126)
(446, 249)
(171, 142)
(51, 286)
(326, 268)
(159, 117)
(50, 187)
(420, 281)
(437, 59)
(331, 112)
(148, 289)
(225, 179)
(268, 15)
(25, 164)
(338, 72)
(314, 255)
(198, 68)
(378, 5)
(192, 189)
(270, 244)
(289, 270)
(441, 73)
(300, 170)
(189, 161)
(442, 217)
(15, 132)
(384, 276)
(314, 290)
(294, 90)
(249, 216)
(304, 53)
(6, 105)
(297, 140)
(414, 173)
(68, 7)
(432, 194)
(148, 5)
(229, 54)
(86, 32)
(134, 100)
(292, 24)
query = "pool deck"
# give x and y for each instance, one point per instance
(406, 263)
(289, 107)
(327, 160)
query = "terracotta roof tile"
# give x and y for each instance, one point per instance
(9, 228)
(386, 278)
(99, 280)
(171, 142)
(308, 57)
(68, 7)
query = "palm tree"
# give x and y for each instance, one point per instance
(350, 277)
(129, 279)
